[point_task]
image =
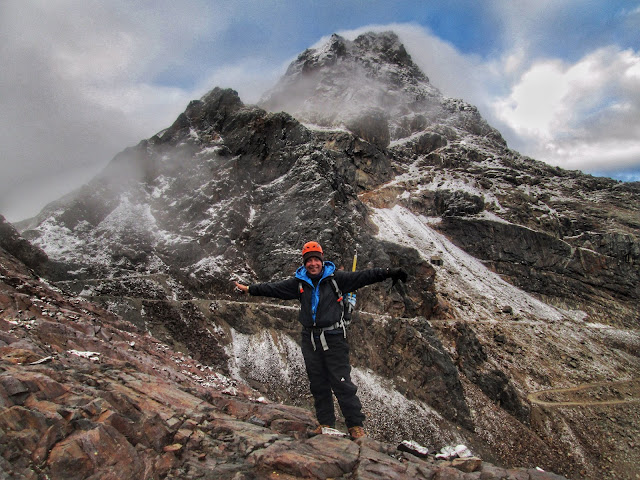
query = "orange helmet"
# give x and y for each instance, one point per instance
(312, 249)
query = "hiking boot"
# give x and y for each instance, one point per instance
(318, 430)
(357, 432)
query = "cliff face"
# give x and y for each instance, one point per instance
(523, 277)
(14, 244)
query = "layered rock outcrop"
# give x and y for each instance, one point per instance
(12, 242)
(84, 394)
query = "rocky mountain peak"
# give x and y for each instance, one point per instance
(371, 87)
(386, 47)
(371, 50)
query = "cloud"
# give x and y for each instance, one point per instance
(250, 77)
(452, 72)
(578, 115)
(83, 80)
(78, 89)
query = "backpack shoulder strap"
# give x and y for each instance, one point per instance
(337, 290)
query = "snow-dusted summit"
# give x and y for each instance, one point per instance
(372, 87)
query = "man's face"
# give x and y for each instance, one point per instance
(313, 266)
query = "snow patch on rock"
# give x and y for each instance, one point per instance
(478, 290)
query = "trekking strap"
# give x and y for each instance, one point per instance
(323, 339)
(337, 290)
(339, 324)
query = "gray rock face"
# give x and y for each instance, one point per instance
(494, 383)
(356, 149)
(584, 278)
(13, 243)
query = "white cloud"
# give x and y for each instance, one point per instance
(250, 77)
(534, 107)
(87, 79)
(79, 87)
(582, 115)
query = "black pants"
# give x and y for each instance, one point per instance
(329, 371)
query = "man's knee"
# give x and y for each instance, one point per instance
(344, 387)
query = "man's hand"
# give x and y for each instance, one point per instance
(242, 288)
(397, 274)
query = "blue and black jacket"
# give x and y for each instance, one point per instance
(319, 306)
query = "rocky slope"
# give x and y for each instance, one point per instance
(524, 277)
(86, 395)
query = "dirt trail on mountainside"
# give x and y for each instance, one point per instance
(590, 394)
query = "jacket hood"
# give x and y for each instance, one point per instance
(327, 270)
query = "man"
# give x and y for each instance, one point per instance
(320, 286)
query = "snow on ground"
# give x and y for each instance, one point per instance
(95, 246)
(208, 266)
(163, 183)
(444, 180)
(391, 412)
(433, 180)
(405, 140)
(209, 151)
(57, 240)
(262, 358)
(130, 217)
(464, 280)
(487, 215)
(275, 359)
(447, 181)
(321, 128)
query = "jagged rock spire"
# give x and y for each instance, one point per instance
(369, 85)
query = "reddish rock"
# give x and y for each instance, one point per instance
(12, 386)
(46, 442)
(449, 473)
(468, 464)
(291, 427)
(174, 447)
(135, 413)
(101, 449)
(164, 463)
(535, 474)
(22, 429)
(373, 464)
(126, 427)
(322, 456)
(18, 356)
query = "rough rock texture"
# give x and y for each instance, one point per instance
(523, 277)
(86, 395)
(12, 242)
(574, 271)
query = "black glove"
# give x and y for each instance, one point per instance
(397, 274)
